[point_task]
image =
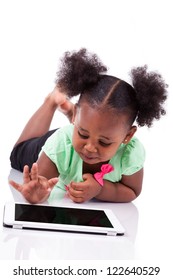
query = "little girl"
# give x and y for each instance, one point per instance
(96, 155)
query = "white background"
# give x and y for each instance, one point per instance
(33, 36)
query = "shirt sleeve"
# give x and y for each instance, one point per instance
(133, 157)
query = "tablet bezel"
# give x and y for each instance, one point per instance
(9, 221)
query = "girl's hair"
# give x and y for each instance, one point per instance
(83, 73)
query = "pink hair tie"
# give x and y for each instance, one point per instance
(106, 168)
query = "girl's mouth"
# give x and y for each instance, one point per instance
(88, 158)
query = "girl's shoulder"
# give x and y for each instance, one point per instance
(134, 147)
(130, 157)
(59, 142)
(59, 148)
(133, 157)
(61, 136)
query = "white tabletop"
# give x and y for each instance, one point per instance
(146, 222)
(31, 244)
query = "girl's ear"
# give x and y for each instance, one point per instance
(130, 134)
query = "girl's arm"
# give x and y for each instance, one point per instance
(124, 191)
(46, 167)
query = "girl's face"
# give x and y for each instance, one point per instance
(98, 134)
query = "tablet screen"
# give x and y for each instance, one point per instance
(61, 215)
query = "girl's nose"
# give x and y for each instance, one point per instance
(90, 148)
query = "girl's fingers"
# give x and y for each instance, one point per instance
(34, 172)
(52, 182)
(75, 192)
(26, 177)
(78, 186)
(35, 188)
(15, 185)
(76, 199)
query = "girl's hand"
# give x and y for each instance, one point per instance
(35, 188)
(83, 191)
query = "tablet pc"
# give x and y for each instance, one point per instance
(61, 218)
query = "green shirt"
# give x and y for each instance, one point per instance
(128, 159)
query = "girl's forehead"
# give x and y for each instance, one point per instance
(101, 120)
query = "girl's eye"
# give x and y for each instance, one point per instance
(104, 144)
(82, 136)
